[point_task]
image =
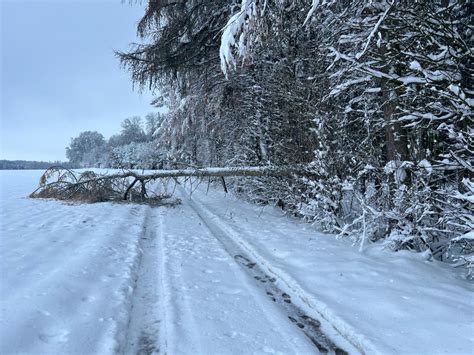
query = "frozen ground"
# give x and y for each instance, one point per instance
(213, 275)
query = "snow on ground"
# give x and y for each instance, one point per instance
(122, 278)
(66, 271)
(215, 308)
(384, 302)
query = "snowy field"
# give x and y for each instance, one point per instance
(213, 275)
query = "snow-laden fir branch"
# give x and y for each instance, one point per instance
(235, 35)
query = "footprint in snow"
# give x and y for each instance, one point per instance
(54, 336)
(286, 297)
(232, 291)
(88, 299)
(268, 350)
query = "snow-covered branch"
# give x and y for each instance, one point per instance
(234, 35)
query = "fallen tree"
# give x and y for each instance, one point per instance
(65, 184)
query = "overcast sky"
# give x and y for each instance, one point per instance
(59, 76)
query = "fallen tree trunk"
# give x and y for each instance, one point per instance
(65, 184)
(204, 172)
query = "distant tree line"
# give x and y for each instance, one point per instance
(31, 165)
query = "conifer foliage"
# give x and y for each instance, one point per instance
(373, 98)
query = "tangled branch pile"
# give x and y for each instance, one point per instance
(88, 186)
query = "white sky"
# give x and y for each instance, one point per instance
(59, 75)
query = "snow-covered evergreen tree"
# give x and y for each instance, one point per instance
(372, 99)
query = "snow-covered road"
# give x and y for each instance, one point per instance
(210, 306)
(124, 278)
(213, 275)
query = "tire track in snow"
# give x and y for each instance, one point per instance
(319, 331)
(155, 316)
(163, 330)
(142, 335)
(208, 306)
(177, 324)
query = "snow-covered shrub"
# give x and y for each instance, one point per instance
(320, 202)
(417, 213)
(138, 156)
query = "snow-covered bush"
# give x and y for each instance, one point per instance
(138, 156)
